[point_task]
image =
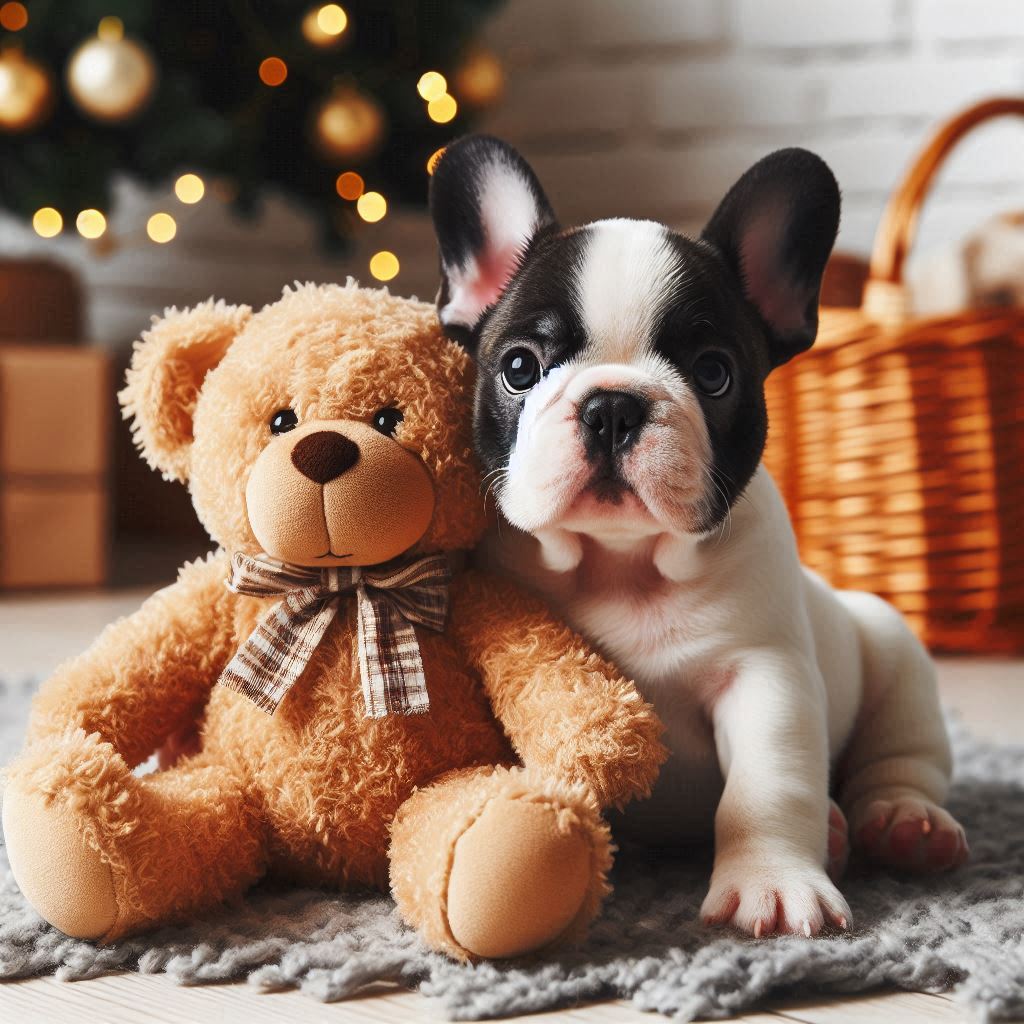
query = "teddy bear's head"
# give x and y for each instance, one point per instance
(333, 427)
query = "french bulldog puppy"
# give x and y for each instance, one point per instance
(620, 415)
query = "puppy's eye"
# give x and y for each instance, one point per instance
(282, 421)
(712, 375)
(520, 370)
(386, 421)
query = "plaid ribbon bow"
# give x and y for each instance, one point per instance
(389, 599)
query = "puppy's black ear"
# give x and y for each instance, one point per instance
(487, 206)
(775, 228)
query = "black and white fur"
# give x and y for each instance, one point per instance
(620, 415)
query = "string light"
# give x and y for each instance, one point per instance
(331, 19)
(13, 17)
(443, 109)
(189, 188)
(47, 222)
(350, 185)
(273, 71)
(384, 265)
(432, 85)
(111, 29)
(371, 206)
(91, 223)
(433, 159)
(324, 26)
(161, 227)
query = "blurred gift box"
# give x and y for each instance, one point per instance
(55, 401)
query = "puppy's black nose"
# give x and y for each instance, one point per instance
(613, 419)
(324, 455)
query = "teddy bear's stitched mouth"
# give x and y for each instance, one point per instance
(330, 554)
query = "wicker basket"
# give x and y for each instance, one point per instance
(899, 442)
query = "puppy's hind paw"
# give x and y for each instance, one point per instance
(910, 834)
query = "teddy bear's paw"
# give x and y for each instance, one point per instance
(58, 872)
(522, 877)
(910, 834)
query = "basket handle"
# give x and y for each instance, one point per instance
(884, 295)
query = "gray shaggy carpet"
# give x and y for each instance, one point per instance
(963, 932)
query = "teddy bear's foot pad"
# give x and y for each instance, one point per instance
(64, 879)
(519, 878)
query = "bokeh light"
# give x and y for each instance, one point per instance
(384, 265)
(189, 188)
(161, 227)
(47, 222)
(273, 71)
(350, 185)
(443, 109)
(13, 17)
(371, 206)
(110, 29)
(331, 19)
(91, 223)
(432, 85)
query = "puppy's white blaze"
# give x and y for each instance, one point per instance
(629, 273)
(546, 464)
(510, 218)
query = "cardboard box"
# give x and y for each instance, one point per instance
(39, 301)
(54, 534)
(56, 403)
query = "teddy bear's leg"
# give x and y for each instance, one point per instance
(100, 852)
(497, 862)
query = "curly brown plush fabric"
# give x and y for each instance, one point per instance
(497, 846)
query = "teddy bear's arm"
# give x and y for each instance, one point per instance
(149, 674)
(564, 707)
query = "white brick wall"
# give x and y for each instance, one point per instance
(651, 108)
(697, 91)
(804, 24)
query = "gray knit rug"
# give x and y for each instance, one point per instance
(963, 932)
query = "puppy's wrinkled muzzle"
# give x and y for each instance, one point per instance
(611, 421)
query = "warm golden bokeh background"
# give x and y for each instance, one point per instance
(899, 448)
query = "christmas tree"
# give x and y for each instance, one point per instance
(338, 108)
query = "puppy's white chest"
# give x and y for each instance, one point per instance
(646, 633)
(655, 637)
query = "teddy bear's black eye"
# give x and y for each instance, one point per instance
(386, 421)
(282, 421)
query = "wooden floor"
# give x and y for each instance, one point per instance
(38, 632)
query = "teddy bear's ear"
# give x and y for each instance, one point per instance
(166, 374)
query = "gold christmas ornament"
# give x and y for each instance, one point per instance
(480, 80)
(111, 78)
(349, 126)
(26, 92)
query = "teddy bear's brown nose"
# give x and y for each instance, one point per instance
(324, 455)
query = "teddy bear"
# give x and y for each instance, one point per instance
(372, 711)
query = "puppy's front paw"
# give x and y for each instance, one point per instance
(910, 834)
(762, 894)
